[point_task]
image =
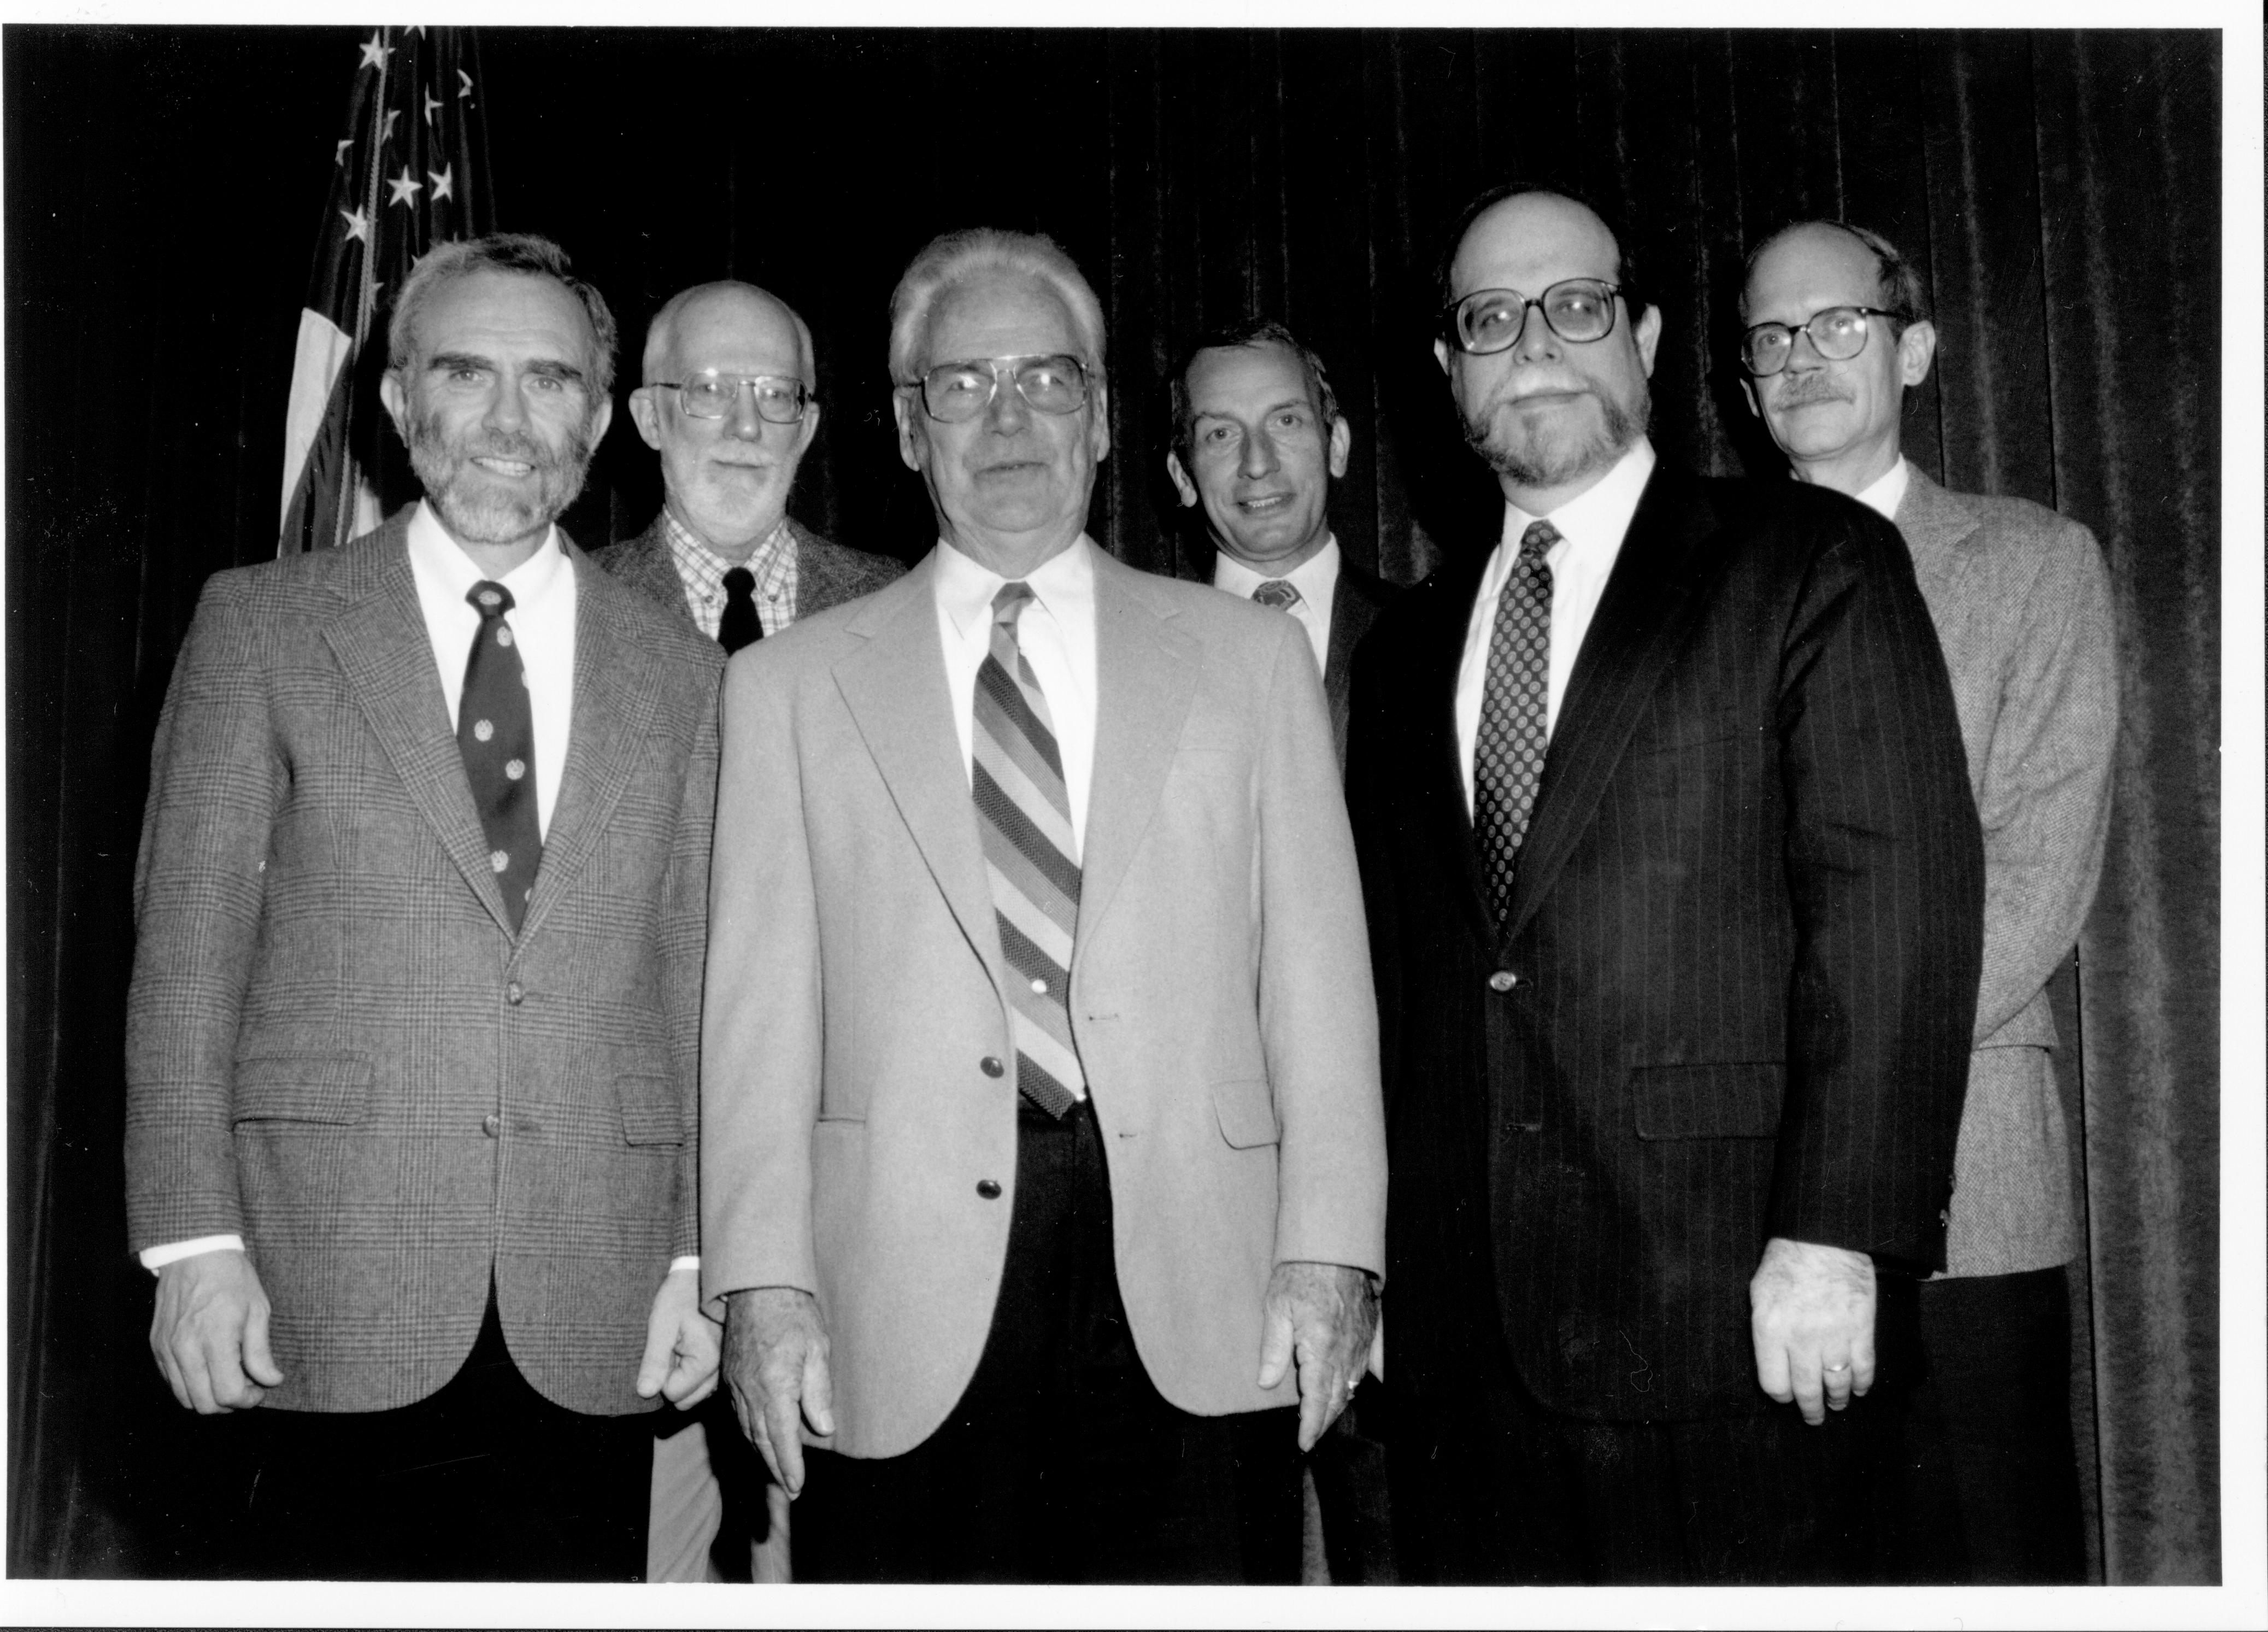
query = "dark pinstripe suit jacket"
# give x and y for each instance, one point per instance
(1743, 947)
(338, 1048)
(1356, 599)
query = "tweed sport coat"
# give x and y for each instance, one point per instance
(1732, 997)
(826, 573)
(2021, 606)
(337, 1047)
(854, 1144)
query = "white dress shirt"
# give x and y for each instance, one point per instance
(1317, 579)
(1886, 493)
(1591, 528)
(1057, 633)
(543, 623)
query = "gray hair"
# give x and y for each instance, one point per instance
(953, 258)
(1898, 285)
(522, 252)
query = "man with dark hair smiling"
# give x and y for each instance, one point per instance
(410, 1046)
(1675, 889)
(1258, 438)
(1836, 334)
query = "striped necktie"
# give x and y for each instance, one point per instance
(1508, 758)
(1023, 820)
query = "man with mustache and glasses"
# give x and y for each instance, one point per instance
(1834, 337)
(1675, 888)
(1042, 1177)
(726, 402)
(421, 906)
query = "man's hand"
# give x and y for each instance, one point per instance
(210, 1333)
(776, 1361)
(680, 1344)
(1324, 1314)
(1811, 1313)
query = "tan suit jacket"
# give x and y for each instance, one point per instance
(2021, 606)
(337, 1047)
(1221, 997)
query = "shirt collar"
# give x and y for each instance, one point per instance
(1886, 491)
(1064, 584)
(1310, 578)
(685, 541)
(1601, 513)
(432, 549)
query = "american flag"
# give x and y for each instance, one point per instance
(411, 172)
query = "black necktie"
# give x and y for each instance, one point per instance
(1508, 757)
(496, 733)
(740, 626)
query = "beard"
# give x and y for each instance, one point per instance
(1547, 456)
(478, 511)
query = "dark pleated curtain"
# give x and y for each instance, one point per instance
(2060, 190)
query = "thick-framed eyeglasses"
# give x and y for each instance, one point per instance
(1578, 310)
(1837, 333)
(952, 392)
(711, 395)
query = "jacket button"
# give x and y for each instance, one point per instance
(492, 1124)
(990, 1066)
(988, 1188)
(512, 994)
(1503, 980)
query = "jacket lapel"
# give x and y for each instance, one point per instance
(655, 570)
(894, 684)
(1642, 618)
(1933, 523)
(1145, 676)
(1432, 713)
(618, 692)
(381, 641)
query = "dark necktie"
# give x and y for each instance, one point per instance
(1508, 754)
(496, 733)
(1023, 820)
(740, 626)
(1280, 593)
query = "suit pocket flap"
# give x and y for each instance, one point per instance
(1730, 1100)
(1247, 1111)
(651, 1111)
(302, 1088)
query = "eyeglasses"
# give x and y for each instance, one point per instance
(711, 395)
(952, 392)
(1578, 310)
(1837, 333)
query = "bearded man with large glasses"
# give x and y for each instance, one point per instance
(411, 1047)
(1673, 889)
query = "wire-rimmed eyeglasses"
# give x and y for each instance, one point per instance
(953, 392)
(711, 395)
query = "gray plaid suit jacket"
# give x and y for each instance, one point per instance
(2021, 606)
(336, 1046)
(826, 573)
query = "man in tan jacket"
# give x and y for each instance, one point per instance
(1044, 1180)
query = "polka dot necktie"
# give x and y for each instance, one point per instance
(1023, 821)
(1279, 593)
(739, 625)
(1508, 757)
(496, 733)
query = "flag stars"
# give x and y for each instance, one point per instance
(432, 107)
(358, 225)
(339, 158)
(444, 185)
(375, 53)
(406, 188)
(467, 81)
(386, 135)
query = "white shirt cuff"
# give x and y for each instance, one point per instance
(676, 1264)
(155, 1259)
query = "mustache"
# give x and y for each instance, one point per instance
(1809, 388)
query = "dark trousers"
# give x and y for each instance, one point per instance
(1490, 1489)
(1061, 1462)
(1987, 1447)
(484, 1480)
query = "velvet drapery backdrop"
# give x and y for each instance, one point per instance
(2060, 190)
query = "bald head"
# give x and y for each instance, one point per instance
(740, 311)
(725, 480)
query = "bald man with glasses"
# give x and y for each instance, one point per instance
(726, 400)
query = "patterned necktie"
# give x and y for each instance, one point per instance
(739, 625)
(1508, 757)
(496, 733)
(1280, 593)
(1023, 819)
